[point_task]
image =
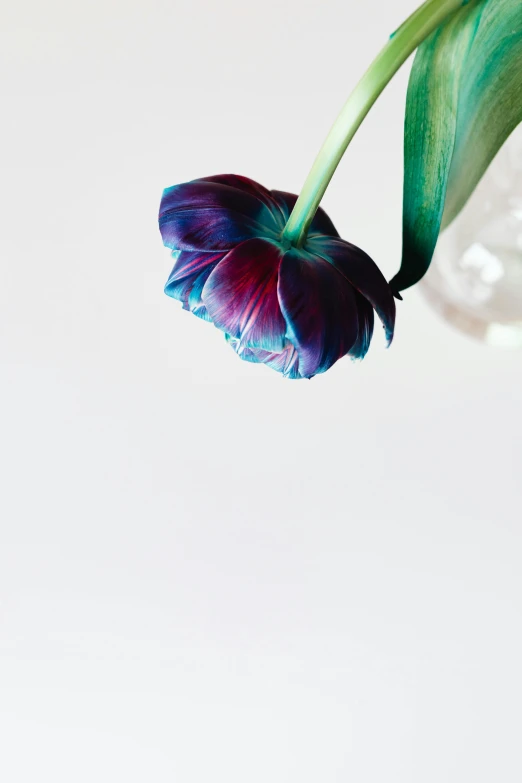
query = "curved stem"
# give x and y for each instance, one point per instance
(401, 44)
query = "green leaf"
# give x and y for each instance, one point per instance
(464, 99)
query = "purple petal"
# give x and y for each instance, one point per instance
(241, 295)
(250, 186)
(320, 309)
(188, 277)
(365, 327)
(321, 224)
(190, 264)
(211, 215)
(364, 274)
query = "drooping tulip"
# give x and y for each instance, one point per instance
(296, 309)
(270, 270)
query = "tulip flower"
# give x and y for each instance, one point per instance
(296, 309)
(269, 269)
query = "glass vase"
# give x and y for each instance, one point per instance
(475, 279)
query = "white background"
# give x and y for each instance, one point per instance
(208, 573)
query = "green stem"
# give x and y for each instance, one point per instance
(401, 44)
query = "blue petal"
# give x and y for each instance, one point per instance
(285, 362)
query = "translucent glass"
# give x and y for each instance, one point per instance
(475, 279)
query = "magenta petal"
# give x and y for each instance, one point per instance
(320, 309)
(241, 295)
(364, 274)
(212, 216)
(321, 224)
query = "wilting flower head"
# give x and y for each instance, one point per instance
(296, 309)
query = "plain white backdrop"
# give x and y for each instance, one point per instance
(208, 572)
